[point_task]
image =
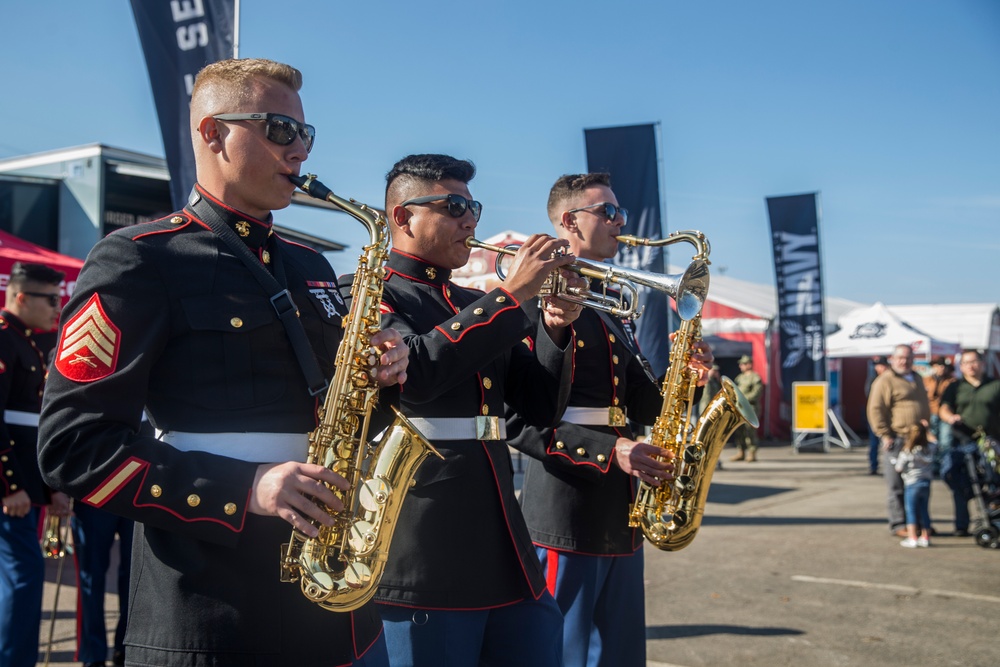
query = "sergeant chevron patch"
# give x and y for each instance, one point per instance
(88, 348)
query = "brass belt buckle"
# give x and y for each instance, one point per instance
(487, 427)
(616, 416)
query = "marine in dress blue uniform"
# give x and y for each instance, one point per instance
(34, 294)
(580, 479)
(576, 501)
(167, 318)
(462, 585)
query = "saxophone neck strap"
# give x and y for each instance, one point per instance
(626, 334)
(280, 297)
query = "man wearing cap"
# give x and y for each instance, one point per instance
(749, 382)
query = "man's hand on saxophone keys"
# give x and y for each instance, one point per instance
(393, 358)
(647, 462)
(296, 492)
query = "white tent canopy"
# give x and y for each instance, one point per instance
(876, 330)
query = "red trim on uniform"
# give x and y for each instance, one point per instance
(354, 641)
(88, 344)
(510, 532)
(389, 272)
(239, 214)
(169, 230)
(385, 308)
(551, 570)
(474, 326)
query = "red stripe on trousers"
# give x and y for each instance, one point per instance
(551, 570)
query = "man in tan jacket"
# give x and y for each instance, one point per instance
(897, 401)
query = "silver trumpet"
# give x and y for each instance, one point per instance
(688, 289)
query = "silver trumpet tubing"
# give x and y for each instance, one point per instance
(688, 288)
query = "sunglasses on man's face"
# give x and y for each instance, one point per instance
(52, 298)
(610, 211)
(279, 129)
(457, 204)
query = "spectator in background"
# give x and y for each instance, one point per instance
(879, 366)
(941, 378)
(968, 404)
(914, 464)
(896, 402)
(752, 386)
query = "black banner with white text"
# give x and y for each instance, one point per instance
(795, 240)
(628, 153)
(179, 37)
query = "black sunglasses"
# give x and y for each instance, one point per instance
(53, 298)
(610, 210)
(280, 129)
(457, 204)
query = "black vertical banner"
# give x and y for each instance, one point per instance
(795, 237)
(628, 153)
(179, 37)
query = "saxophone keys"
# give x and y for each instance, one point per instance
(357, 575)
(362, 537)
(374, 494)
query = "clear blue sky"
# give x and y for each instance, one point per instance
(889, 108)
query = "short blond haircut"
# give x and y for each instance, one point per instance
(233, 78)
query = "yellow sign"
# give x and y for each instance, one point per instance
(809, 402)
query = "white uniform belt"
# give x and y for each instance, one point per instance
(253, 447)
(612, 416)
(461, 428)
(20, 418)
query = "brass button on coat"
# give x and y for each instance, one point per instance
(455, 326)
(488, 383)
(155, 491)
(176, 220)
(194, 500)
(478, 311)
(560, 445)
(601, 458)
(501, 299)
(230, 509)
(581, 451)
(236, 322)
(579, 343)
(611, 337)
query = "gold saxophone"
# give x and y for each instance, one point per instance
(670, 514)
(341, 567)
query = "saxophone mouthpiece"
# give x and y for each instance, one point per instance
(311, 186)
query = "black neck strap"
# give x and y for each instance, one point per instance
(281, 298)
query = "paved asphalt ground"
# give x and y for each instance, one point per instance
(793, 565)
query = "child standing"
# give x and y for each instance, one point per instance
(915, 464)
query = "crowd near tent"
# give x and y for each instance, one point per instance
(14, 249)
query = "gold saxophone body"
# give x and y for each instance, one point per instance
(670, 515)
(341, 567)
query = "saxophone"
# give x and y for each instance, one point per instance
(341, 567)
(670, 514)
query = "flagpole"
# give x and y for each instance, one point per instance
(236, 29)
(663, 212)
